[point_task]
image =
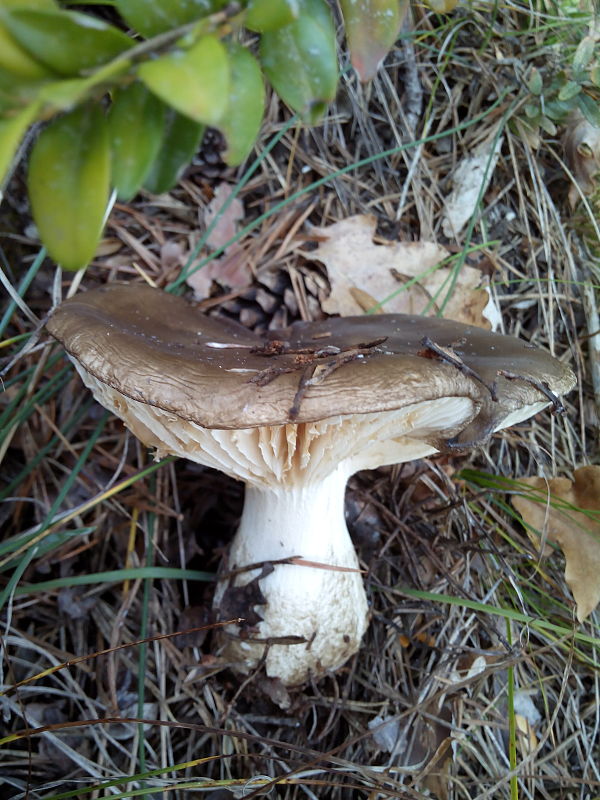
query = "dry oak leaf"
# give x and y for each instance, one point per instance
(232, 268)
(577, 533)
(362, 274)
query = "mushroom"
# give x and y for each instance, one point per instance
(293, 414)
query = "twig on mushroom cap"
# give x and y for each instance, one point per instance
(450, 356)
(541, 386)
(309, 359)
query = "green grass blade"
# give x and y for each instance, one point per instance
(23, 286)
(147, 573)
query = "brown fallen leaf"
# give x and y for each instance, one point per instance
(436, 776)
(403, 274)
(232, 268)
(172, 256)
(108, 246)
(422, 744)
(576, 532)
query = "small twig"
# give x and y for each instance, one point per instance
(450, 357)
(343, 357)
(71, 662)
(265, 376)
(541, 386)
(294, 561)
(308, 359)
(413, 91)
(305, 381)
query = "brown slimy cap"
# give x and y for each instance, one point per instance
(155, 348)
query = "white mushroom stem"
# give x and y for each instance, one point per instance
(325, 604)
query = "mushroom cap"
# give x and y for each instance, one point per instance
(157, 349)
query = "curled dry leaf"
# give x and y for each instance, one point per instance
(232, 268)
(469, 181)
(226, 225)
(527, 719)
(362, 274)
(582, 152)
(576, 532)
(172, 256)
(423, 745)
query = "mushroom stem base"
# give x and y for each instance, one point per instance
(321, 603)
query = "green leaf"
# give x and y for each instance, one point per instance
(16, 92)
(532, 110)
(589, 108)
(584, 53)
(372, 27)
(13, 57)
(62, 95)
(135, 122)
(547, 125)
(43, 4)
(194, 82)
(181, 140)
(595, 76)
(300, 60)
(534, 82)
(557, 110)
(12, 130)
(568, 91)
(151, 17)
(67, 42)
(69, 172)
(269, 15)
(241, 123)
(16, 60)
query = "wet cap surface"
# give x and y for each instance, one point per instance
(156, 348)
